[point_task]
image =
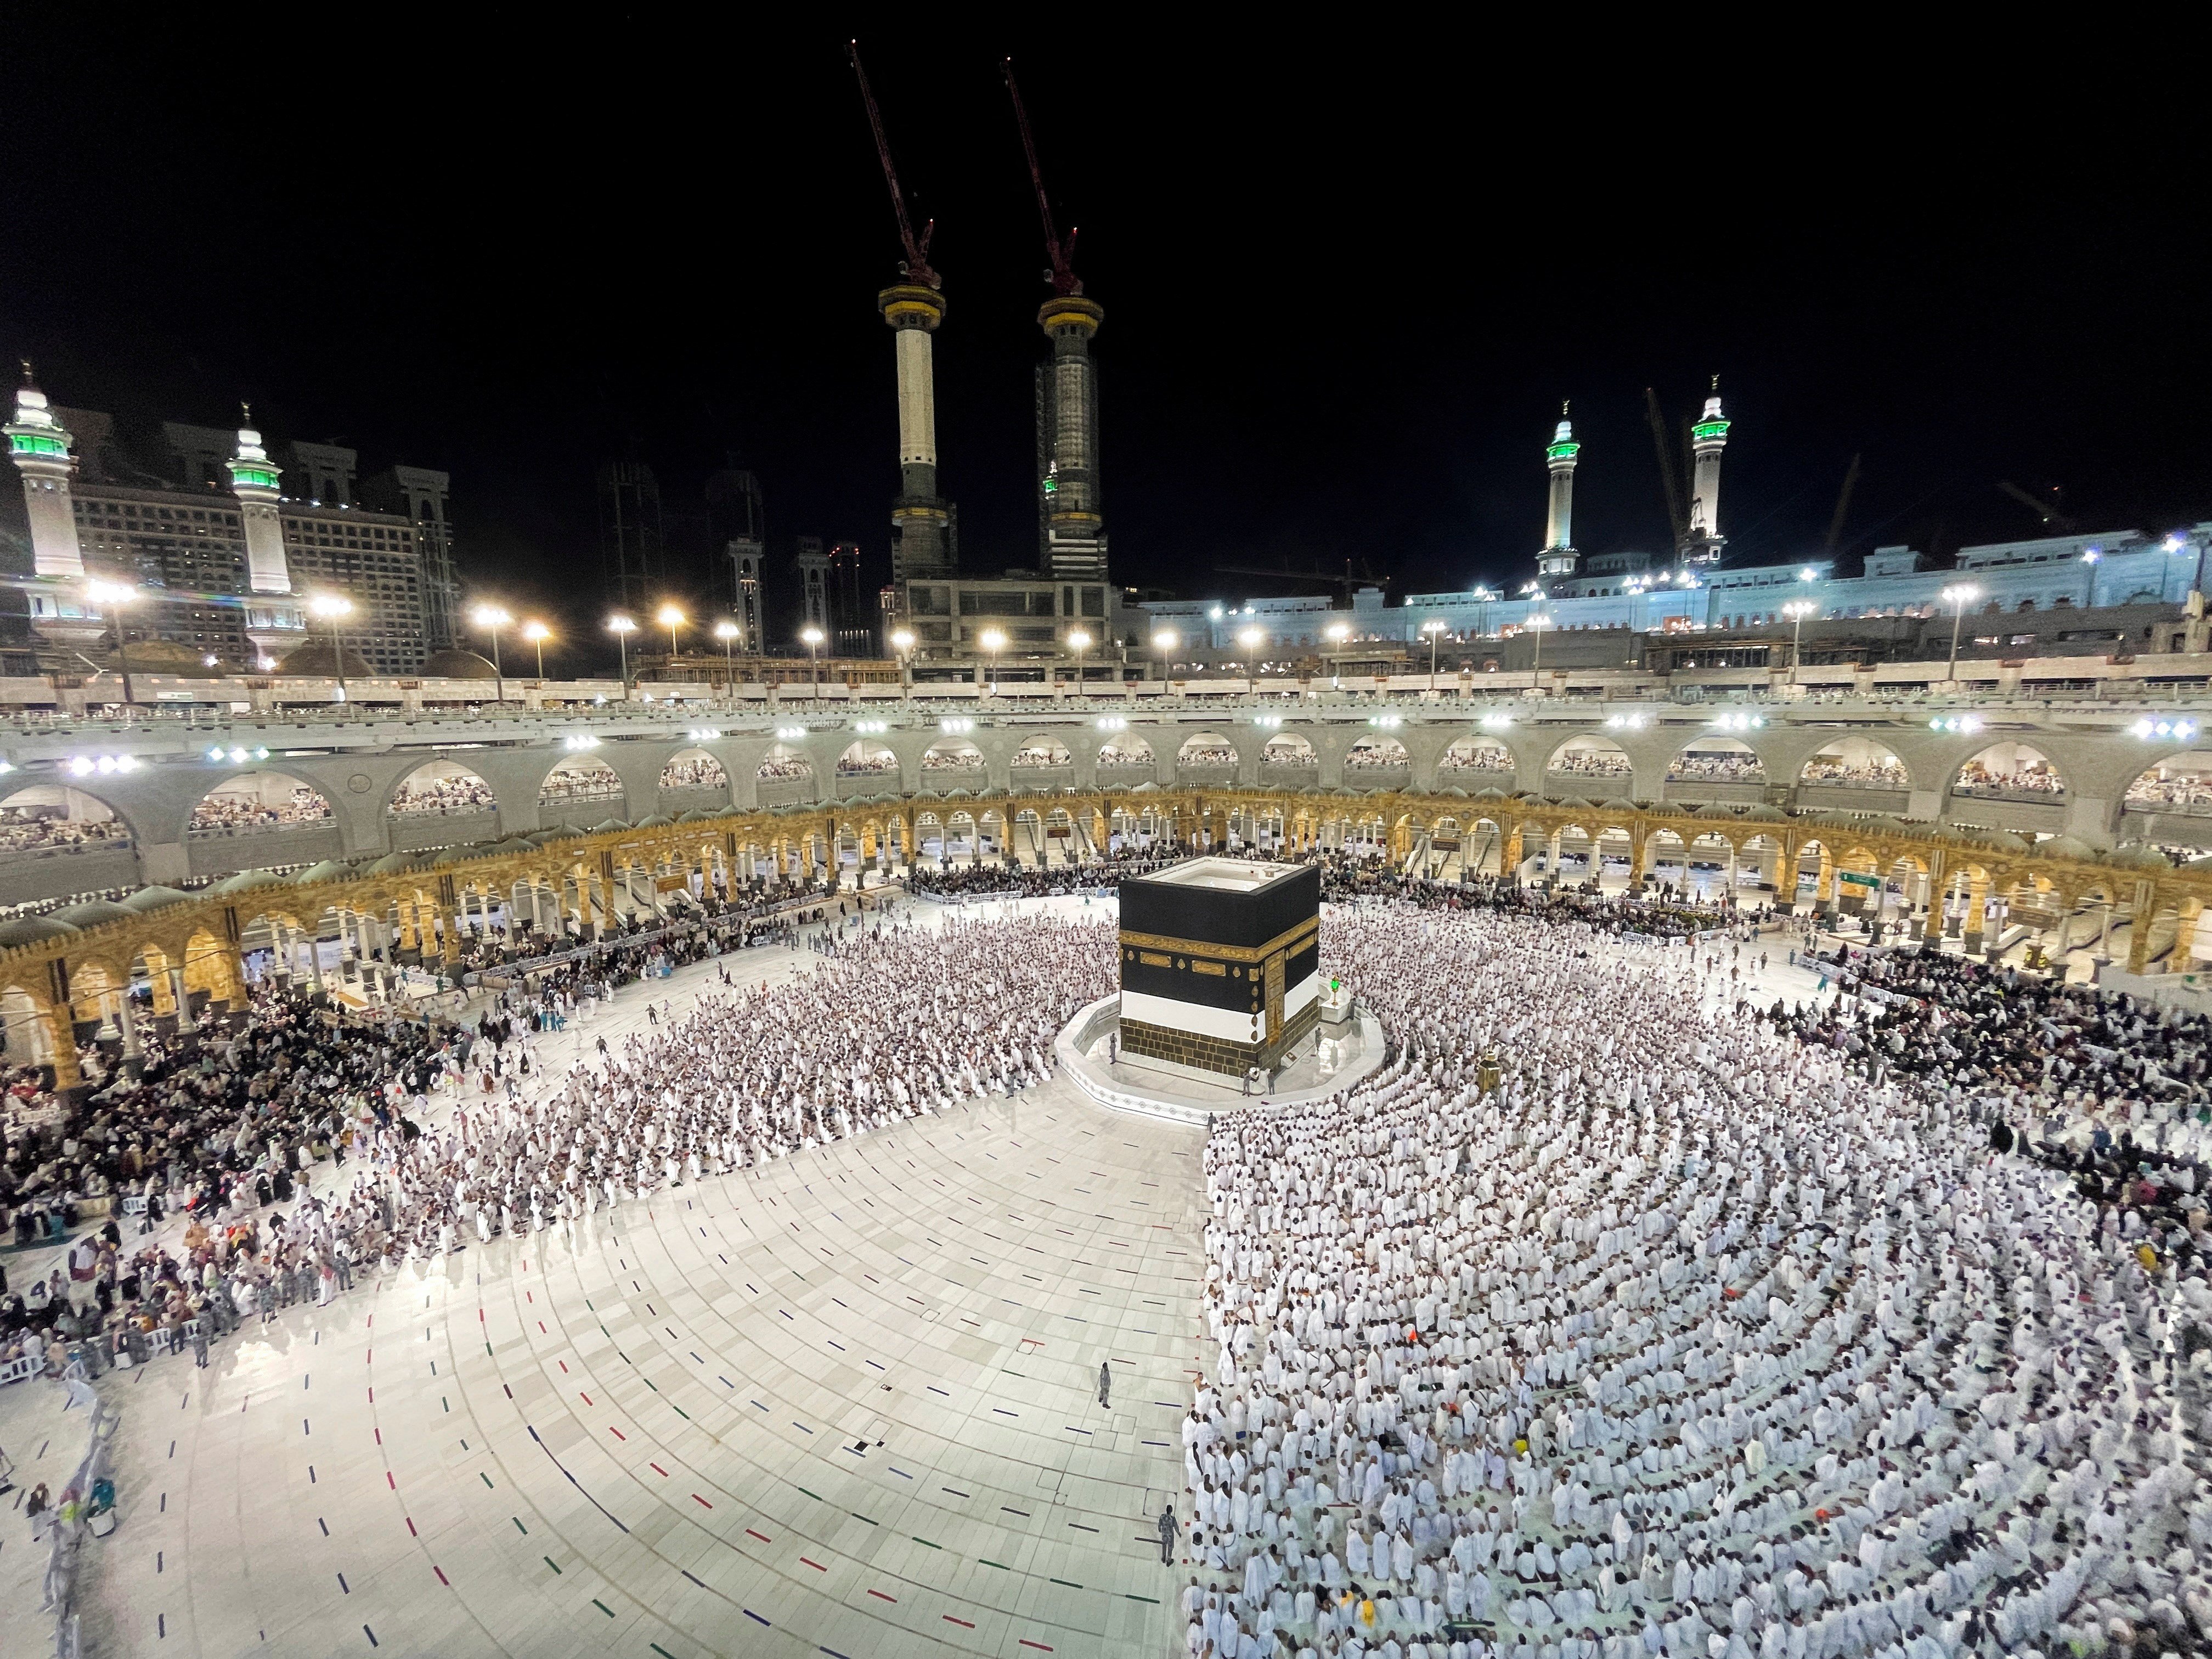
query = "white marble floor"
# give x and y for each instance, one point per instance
(845, 1405)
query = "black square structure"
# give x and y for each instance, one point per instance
(1220, 963)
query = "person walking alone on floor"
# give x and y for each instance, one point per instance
(1105, 1382)
(1168, 1530)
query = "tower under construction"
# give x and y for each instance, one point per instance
(1071, 525)
(923, 523)
(921, 519)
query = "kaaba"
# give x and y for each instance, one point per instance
(1220, 963)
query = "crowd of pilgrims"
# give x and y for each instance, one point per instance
(228, 815)
(893, 1021)
(694, 772)
(2162, 788)
(463, 792)
(762, 914)
(999, 880)
(24, 829)
(1465, 757)
(1888, 773)
(1616, 1316)
(1349, 879)
(1724, 767)
(2023, 778)
(1369, 755)
(1610, 1320)
(1592, 763)
(2030, 1041)
(586, 780)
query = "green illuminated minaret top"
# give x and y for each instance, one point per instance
(251, 468)
(253, 480)
(1708, 438)
(39, 444)
(1559, 557)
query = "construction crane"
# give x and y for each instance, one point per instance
(1668, 482)
(1348, 581)
(1843, 506)
(1060, 256)
(916, 263)
(2047, 511)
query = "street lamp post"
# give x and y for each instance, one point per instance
(992, 640)
(111, 596)
(672, 619)
(1250, 639)
(1434, 629)
(1081, 641)
(1165, 641)
(902, 643)
(727, 633)
(335, 606)
(1959, 596)
(1336, 634)
(537, 633)
(1797, 611)
(622, 627)
(491, 617)
(1536, 669)
(813, 637)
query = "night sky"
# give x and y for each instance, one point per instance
(1345, 288)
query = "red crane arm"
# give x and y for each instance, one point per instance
(1062, 254)
(917, 251)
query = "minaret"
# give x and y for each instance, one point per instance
(273, 621)
(1559, 557)
(921, 522)
(1067, 433)
(1708, 438)
(61, 612)
(41, 446)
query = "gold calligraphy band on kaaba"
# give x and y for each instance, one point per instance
(1288, 941)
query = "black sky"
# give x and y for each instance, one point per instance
(1347, 281)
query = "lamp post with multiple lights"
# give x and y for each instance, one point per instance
(1434, 629)
(537, 633)
(1959, 596)
(1251, 640)
(336, 607)
(491, 617)
(670, 617)
(622, 627)
(902, 643)
(1081, 640)
(111, 596)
